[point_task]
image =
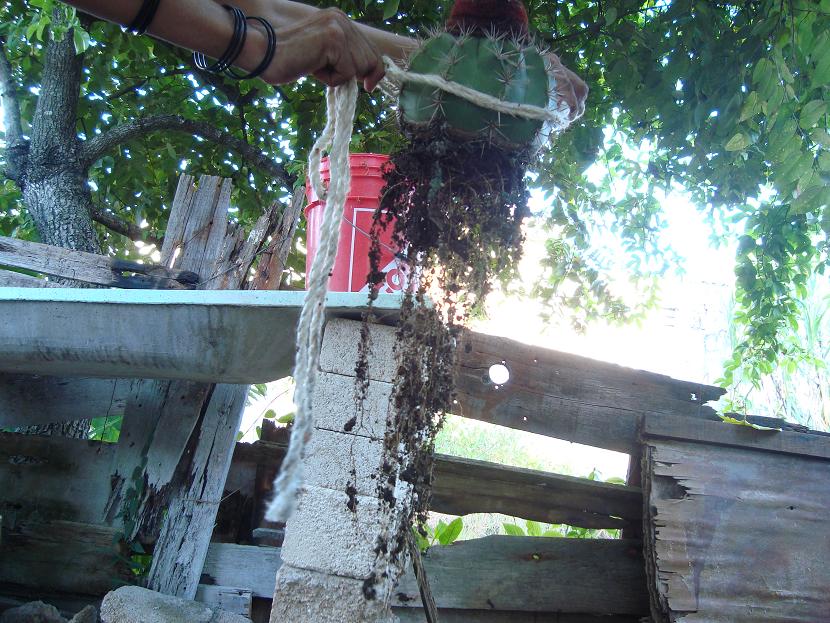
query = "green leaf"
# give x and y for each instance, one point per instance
(513, 530)
(390, 8)
(731, 420)
(451, 532)
(534, 528)
(821, 136)
(610, 15)
(739, 142)
(288, 418)
(751, 107)
(811, 113)
(552, 533)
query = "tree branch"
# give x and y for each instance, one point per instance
(95, 148)
(8, 99)
(113, 222)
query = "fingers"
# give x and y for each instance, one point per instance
(329, 47)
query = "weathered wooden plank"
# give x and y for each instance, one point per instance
(229, 599)
(736, 535)
(273, 259)
(185, 534)
(534, 574)
(246, 566)
(814, 444)
(53, 478)
(463, 486)
(78, 558)
(185, 335)
(567, 396)
(11, 279)
(416, 615)
(494, 573)
(186, 451)
(89, 267)
(27, 399)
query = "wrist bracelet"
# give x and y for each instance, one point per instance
(234, 49)
(269, 54)
(145, 17)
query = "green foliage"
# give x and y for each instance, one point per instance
(107, 429)
(534, 528)
(442, 534)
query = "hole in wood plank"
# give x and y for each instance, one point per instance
(498, 374)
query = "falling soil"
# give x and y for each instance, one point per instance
(457, 209)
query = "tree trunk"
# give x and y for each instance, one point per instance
(54, 180)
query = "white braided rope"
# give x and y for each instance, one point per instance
(557, 117)
(340, 103)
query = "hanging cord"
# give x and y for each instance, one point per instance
(557, 117)
(340, 107)
(340, 104)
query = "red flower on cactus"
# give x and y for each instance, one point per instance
(507, 17)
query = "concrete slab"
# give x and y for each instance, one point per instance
(231, 336)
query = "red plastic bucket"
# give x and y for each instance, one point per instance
(351, 265)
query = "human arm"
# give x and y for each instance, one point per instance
(324, 43)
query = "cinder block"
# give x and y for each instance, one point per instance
(333, 460)
(340, 347)
(327, 536)
(303, 596)
(335, 408)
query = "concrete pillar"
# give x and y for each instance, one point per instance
(329, 548)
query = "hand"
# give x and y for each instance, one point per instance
(329, 46)
(569, 87)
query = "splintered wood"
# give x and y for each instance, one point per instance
(736, 535)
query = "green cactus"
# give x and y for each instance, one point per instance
(511, 70)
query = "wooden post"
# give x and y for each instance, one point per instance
(177, 438)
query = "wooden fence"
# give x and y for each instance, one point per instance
(64, 502)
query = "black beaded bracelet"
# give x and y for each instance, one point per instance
(269, 54)
(234, 49)
(145, 17)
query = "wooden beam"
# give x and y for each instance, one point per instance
(89, 267)
(11, 279)
(27, 399)
(494, 573)
(736, 535)
(53, 478)
(567, 396)
(247, 566)
(78, 558)
(463, 486)
(813, 444)
(416, 615)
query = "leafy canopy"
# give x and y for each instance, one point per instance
(727, 101)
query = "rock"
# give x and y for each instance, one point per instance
(87, 615)
(33, 612)
(133, 604)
